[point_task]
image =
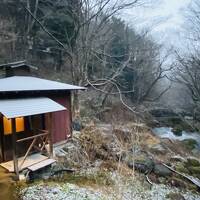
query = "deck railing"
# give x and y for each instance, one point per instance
(39, 143)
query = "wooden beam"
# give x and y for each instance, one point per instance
(29, 149)
(32, 137)
(70, 114)
(50, 122)
(2, 139)
(15, 159)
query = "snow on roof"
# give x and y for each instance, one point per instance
(27, 83)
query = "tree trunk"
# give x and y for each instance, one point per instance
(75, 104)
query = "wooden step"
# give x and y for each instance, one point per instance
(30, 160)
(41, 164)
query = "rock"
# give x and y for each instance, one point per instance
(191, 161)
(141, 165)
(158, 149)
(161, 170)
(193, 166)
(190, 144)
(181, 168)
(59, 153)
(76, 124)
(188, 118)
(177, 131)
(194, 170)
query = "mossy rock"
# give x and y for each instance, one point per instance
(190, 144)
(181, 168)
(194, 170)
(192, 187)
(177, 132)
(161, 170)
(141, 164)
(192, 162)
(174, 196)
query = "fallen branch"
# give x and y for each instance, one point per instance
(148, 180)
(193, 180)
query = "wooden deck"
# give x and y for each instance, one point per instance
(30, 161)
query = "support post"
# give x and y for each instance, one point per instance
(70, 115)
(50, 134)
(14, 142)
(2, 140)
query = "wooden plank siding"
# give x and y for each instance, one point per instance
(62, 121)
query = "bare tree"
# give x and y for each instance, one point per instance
(87, 48)
(188, 64)
(91, 33)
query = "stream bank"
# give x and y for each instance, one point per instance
(184, 136)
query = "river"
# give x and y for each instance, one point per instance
(166, 132)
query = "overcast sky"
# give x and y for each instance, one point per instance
(165, 16)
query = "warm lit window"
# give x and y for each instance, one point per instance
(7, 125)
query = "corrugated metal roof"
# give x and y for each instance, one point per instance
(27, 83)
(12, 108)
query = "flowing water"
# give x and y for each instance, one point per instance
(166, 132)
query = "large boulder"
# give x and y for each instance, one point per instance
(161, 170)
(143, 165)
(178, 131)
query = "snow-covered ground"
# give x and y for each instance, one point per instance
(69, 191)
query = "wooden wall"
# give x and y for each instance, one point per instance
(62, 121)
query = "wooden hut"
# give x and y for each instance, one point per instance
(35, 113)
